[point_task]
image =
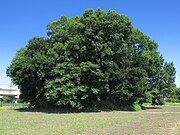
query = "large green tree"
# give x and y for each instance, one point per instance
(88, 60)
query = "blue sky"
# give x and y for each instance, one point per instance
(21, 20)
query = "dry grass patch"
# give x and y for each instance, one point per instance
(157, 120)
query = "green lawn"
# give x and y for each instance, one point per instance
(158, 120)
(173, 104)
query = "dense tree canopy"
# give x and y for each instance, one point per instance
(89, 60)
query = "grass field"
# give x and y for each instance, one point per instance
(154, 120)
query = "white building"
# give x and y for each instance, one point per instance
(9, 92)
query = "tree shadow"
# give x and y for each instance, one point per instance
(55, 110)
(65, 110)
(153, 107)
(90, 109)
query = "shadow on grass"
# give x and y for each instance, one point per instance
(64, 110)
(50, 110)
(101, 107)
(153, 107)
